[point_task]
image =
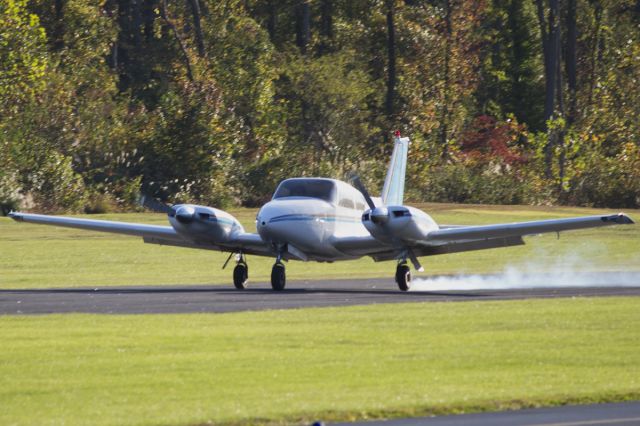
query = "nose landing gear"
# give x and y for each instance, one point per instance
(403, 276)
(278, 276)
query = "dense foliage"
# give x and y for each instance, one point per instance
(506, 101)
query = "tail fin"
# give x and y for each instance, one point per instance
(393, 189)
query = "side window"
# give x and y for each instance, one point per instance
(346, 202)
(359, 205)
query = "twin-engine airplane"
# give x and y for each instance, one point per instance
(326, 220)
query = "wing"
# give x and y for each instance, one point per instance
(151, 234)
(453, 238)
(520, 229)
(379, 251)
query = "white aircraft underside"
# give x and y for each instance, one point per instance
(326, 220)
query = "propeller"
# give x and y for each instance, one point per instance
(355, 179)
(151, 203)
(379, 215)
(183, 214)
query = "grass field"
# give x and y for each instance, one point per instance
(331, 363)
(34, 256)
(295, 366)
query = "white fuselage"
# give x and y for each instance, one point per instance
(311, 225)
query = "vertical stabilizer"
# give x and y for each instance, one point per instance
(393, 189)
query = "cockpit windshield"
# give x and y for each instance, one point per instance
(313, 188)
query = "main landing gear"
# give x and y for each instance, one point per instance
(403, 276)
(241, 274)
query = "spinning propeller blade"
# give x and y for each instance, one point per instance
(152, 204)
(355, 179)
(379, 215)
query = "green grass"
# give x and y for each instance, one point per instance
(331, 363)
(34, 256)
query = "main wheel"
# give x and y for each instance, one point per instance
(403, 277)
(278, 277)
(240, 276)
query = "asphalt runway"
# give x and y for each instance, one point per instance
(621, 414)
(259, 296)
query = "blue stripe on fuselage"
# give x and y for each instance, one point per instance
(221, 220)
(308, 217)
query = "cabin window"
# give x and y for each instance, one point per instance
(346, 202)
(360, 203)
(312, 188)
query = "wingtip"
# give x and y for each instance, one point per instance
(626, 219)
(15, 216)
(619, 219)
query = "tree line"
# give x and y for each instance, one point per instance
(214, 102)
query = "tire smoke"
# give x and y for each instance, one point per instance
(565, 272)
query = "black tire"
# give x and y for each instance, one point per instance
(403, 277)
(278, 277)
(240, 276)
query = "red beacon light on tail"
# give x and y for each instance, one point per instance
(397, 133)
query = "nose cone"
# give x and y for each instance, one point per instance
(296, 222)
(267, 222)
(185, 214)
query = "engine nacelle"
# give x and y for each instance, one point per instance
(403, 223)
(201, 222)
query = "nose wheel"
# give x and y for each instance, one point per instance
(241, 275)
(403, 276)
(278, 276)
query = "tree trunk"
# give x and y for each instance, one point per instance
(303, 34)
(391, 56)
(58, 36)
(551, 47)
(595, 54)
(148, 17)
(120, 54)
(559, 140)
(571, 61)
(136, 13)
(444, 119)
(326, 26)
(272, 19)
(165, 17)
(518, 83)
(551, 50)
(195, 11)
